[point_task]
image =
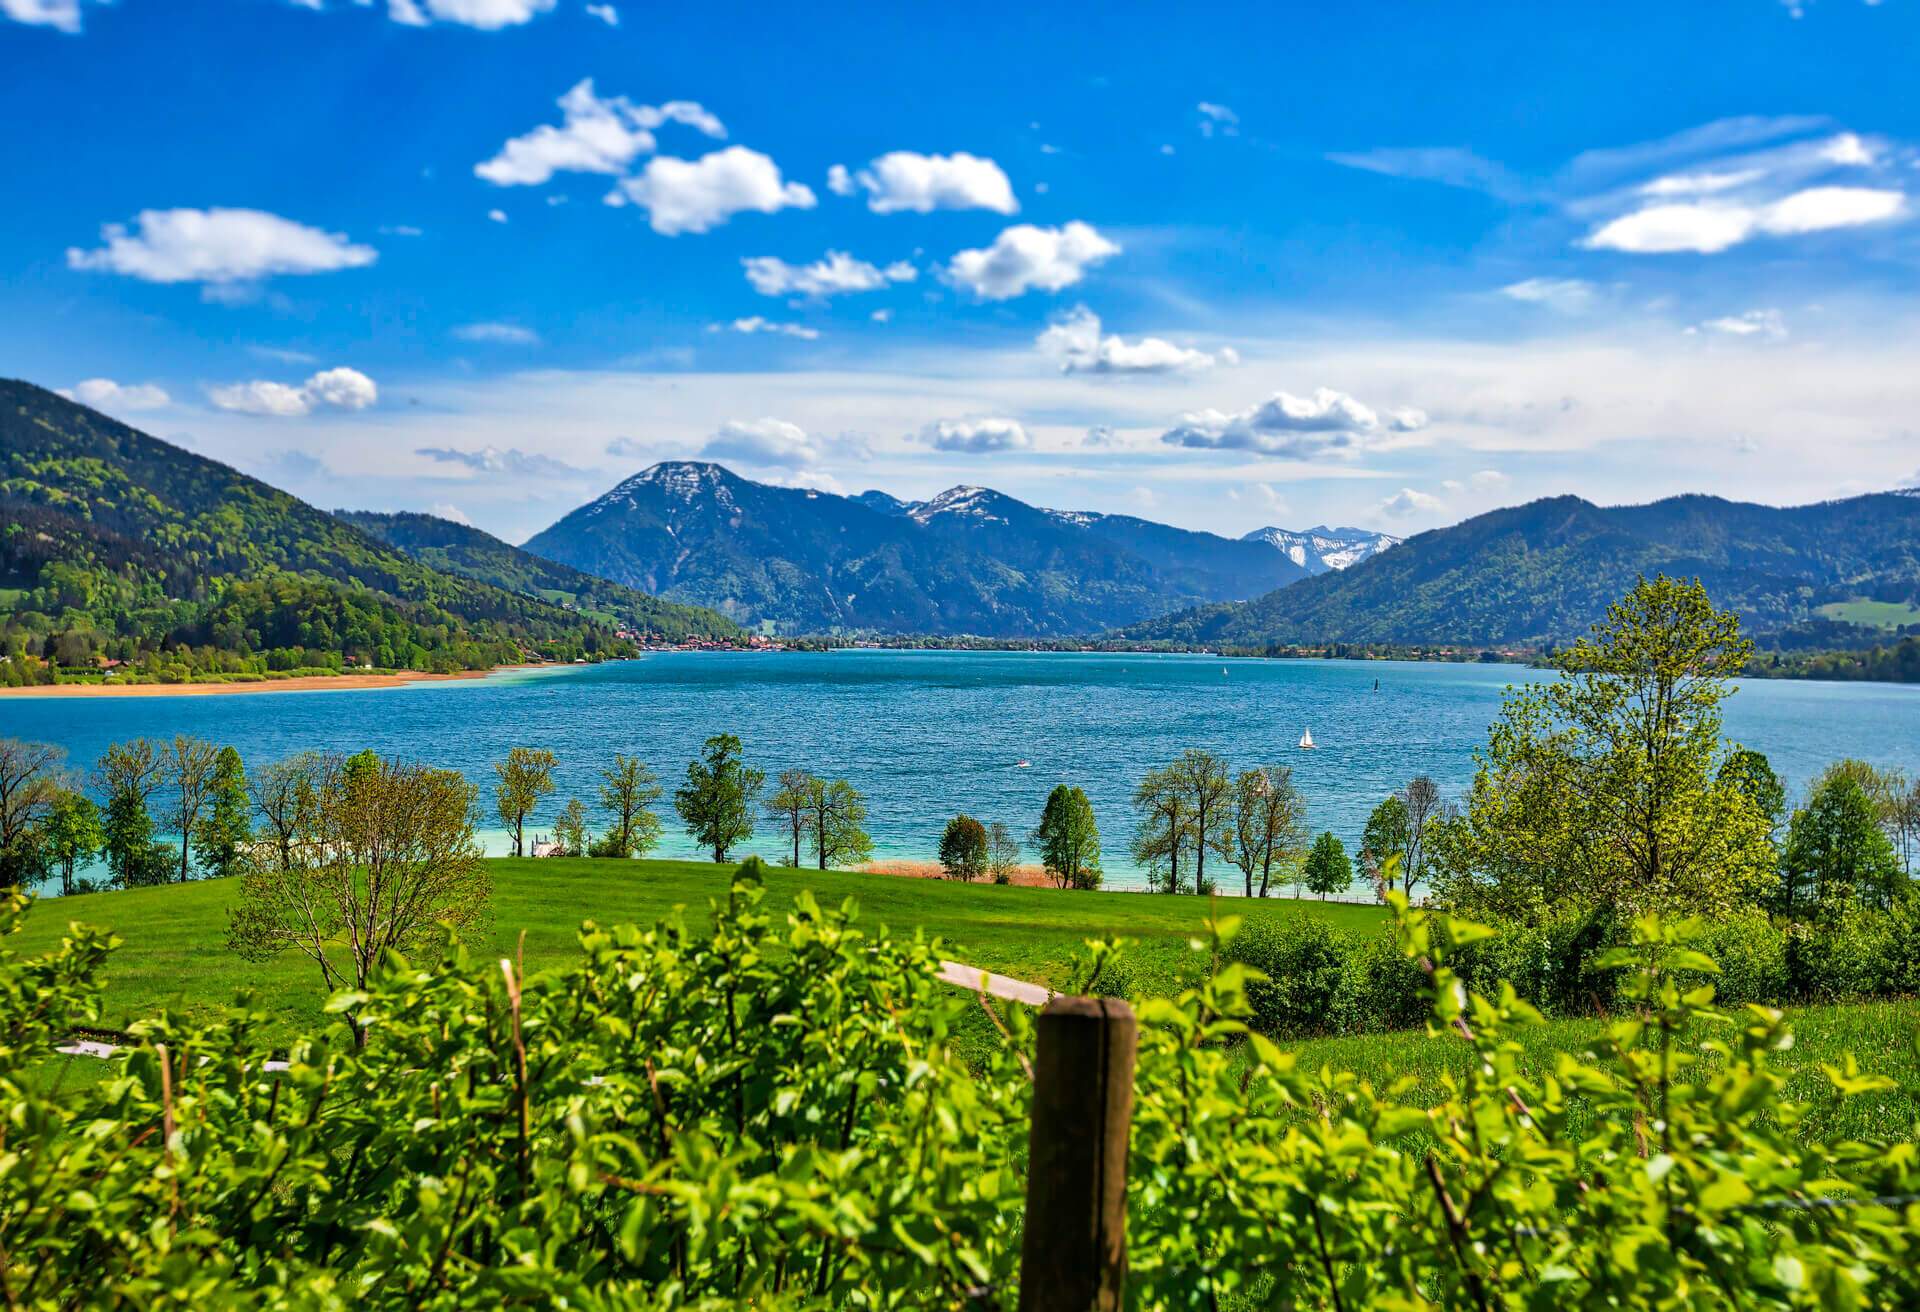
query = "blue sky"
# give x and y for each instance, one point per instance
(1227, 266)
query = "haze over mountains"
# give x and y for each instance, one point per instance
(970, 560)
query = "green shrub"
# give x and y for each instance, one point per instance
(1751, 951)
(1307, 985)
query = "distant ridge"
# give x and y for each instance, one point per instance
(1545, 571)
(970, 560)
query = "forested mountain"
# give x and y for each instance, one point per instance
(969, 561)
(116, 543)
(1545, 571)
(470, 553)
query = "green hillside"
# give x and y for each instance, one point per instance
(114, 544)
(468, 552)
(1545, 571)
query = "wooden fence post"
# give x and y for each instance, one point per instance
(1074, 1254)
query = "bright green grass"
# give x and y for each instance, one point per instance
(1872, 614)
(175, 954)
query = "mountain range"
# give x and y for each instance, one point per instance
(1544, 572)
(970, 560)
(113, 542)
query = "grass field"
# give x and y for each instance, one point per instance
(175, 957)
(1872, 614)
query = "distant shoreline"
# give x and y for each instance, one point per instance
(300, 683)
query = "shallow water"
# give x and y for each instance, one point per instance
(926, 734)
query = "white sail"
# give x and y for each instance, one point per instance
(1306, 740)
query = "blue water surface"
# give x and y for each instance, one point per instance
(928, 734)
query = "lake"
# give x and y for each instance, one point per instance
(928, 734)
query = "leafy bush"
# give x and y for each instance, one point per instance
(771, 1112)
(1304, 985)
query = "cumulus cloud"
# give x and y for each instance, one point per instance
(1026, 258)
(764, 443)
(903, 180)
(698, 195)
(217, 247)
(756, 324)
(1709, 227)
(1075, 341)
(1488, 480)
(1326, 423)
(335, 389)
(447, 510)
(606, 14)
(1767, 325)
(105, 394)
(977, 436)
(61, 15)
(510, 461)
(595, 135)
(503, 334)
(487, 15)
(1407, 502)
(1217, 118)
(1567, 295)
(833, 274)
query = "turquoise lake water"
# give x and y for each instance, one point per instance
(927, 734)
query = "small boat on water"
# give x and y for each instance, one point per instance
(1023, 765)
(1306, 741)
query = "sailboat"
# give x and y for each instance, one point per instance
(1306, 741)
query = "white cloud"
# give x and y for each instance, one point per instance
(447, 510)
(105, 394)
(606, 14)
(1407, 502)
(1769, 325)
(61, 15)
(1567, 295)
(764, 443)
(501, 460)
(1326, 423)
(881, 316)
(595, 136)
(504, 334)
(487, 15)
(217, 246)
(497, 216)
(1488, 480)
(1711, 226)
(903, 180)
(1025, 258)
(281, 354)
(756, 324)
(698, 195)
(1074, 340)
(1217, 118)
(835, 273)
(337, 389)
(977, 435)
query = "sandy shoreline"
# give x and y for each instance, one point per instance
(304, 683)
(1024, 876)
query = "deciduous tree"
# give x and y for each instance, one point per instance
(220, 839)
(526, 776)
(383, 856)
(283, 791)
(1603, 788)
(963, 848)
(628, 790)
(1268, 826)
(570, 829)
(1836, 850)
(28, 787)
(129, 774)
(1328, 869)
(836, 816)
(787, 806)
(1162, 833)
(1068, 839)
(188, 764)
(73, 833)
(1003, 852)
(716, 803)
